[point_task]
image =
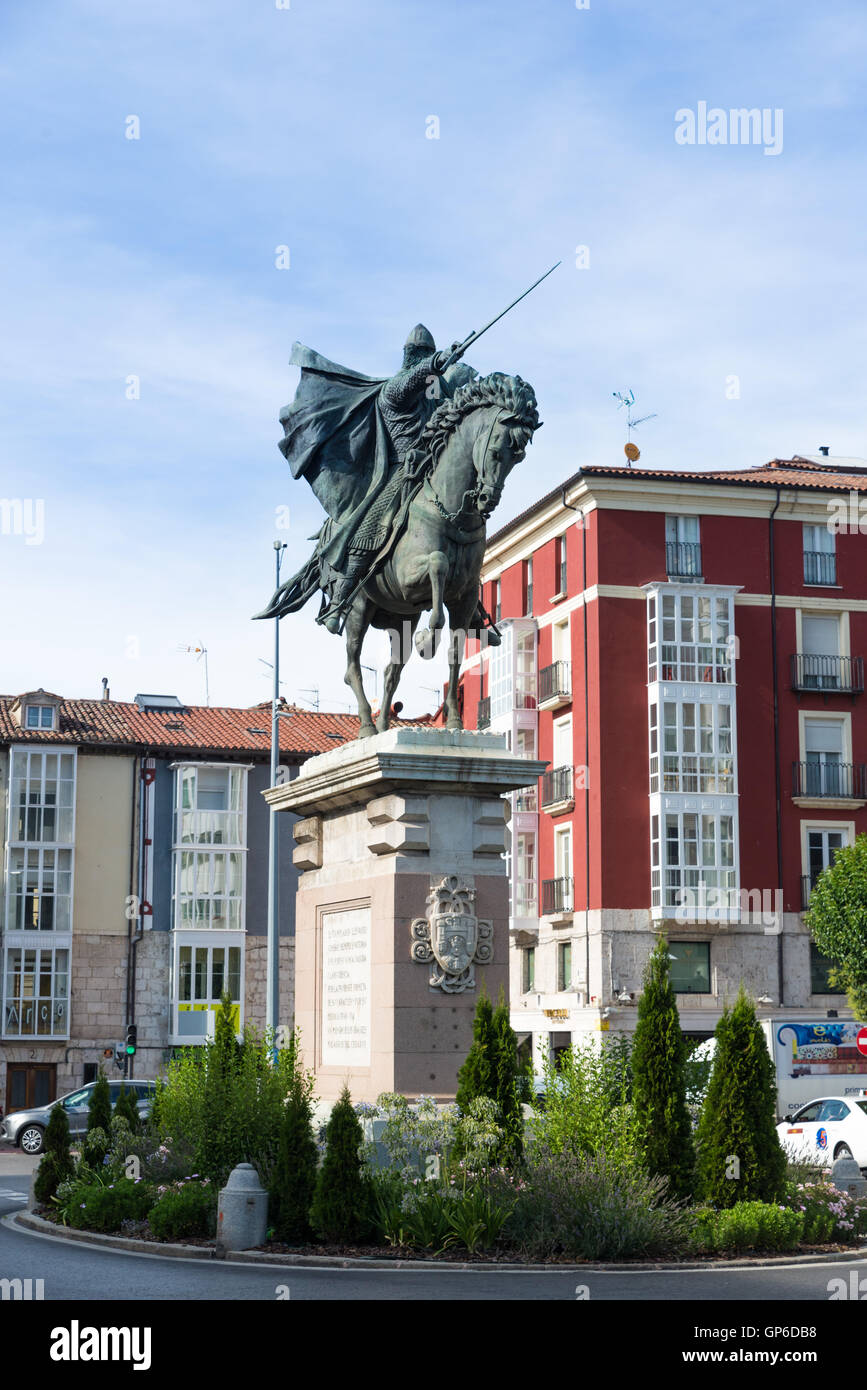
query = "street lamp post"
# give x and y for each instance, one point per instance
(272, 986)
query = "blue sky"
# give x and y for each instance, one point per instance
(262, 127)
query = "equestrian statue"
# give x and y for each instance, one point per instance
(408, 470)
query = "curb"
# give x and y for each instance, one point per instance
(38, 1225)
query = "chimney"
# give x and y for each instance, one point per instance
(824, 449)
(106, 693)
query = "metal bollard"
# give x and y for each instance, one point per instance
(242, 1211)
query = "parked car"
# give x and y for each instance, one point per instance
(825, 1129)
(26, 1128)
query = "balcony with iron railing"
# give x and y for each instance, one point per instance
(845, 674)
(683, 559)
(819, 567)
(558, 793)
(557, 896)
(830, 781)
(555, 685)
(483, 713)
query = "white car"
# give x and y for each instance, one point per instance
(826, 1129)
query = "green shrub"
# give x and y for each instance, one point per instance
(342, 1205)
(292, 1182)
(99, 1118)
(56, 1164)
(94, 1207)
(754, 1226)
(740, 1157)
(126, 1106)
(591, 1206)
(190, 1209)
(658, 1078)
(225, 1103)
(587, 1106)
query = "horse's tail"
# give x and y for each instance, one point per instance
(295, 592)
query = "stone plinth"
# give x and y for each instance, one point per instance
(402, 906)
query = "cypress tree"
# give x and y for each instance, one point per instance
(740, 1157)
(477, 1076)
(99, 1105)
(510, 1082)
(293, 1183)
(341, 1210)
(659, 1079)
(56, 1163)
(126, 1105)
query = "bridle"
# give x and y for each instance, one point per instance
(473, 493)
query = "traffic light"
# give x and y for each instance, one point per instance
(119, 1055)
(131, 1034)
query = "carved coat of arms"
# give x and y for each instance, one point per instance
(452, 936)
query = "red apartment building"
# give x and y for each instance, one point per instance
(686, 651)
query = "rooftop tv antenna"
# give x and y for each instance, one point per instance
(627, 399)
(199, 652)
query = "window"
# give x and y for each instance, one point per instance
(512, 681)
(689, 638)
(697, 751)
(209, 890)
(209, 805)
(560, 572)
(525, 874)
(689, 967)
(203, 973)
(562, 743)
(527, 799)
(39, 896)
(36, 993)
(821, 642)
(820, 559)
(528, 969)
(39, 717)
(822, 846)
(528, 588)
(682, 548)
(820, 968)
(498, 609)
(694, 865)
(564, 965)
(823, 749)
(41, 796)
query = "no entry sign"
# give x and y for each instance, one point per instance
(861, 1040)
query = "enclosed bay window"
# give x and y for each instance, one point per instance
(512, 681)
(526, 898)
(693, 860)
(203, 971)
(696, 747)
(36, 992)
(41, 797)
(209, 889)
(210, 805)
(39, 889)
(689, 637)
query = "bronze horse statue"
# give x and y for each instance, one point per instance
(469, 446)
(449, 486)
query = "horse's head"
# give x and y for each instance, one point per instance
(504, 419)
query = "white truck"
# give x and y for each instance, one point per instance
(812, 1058)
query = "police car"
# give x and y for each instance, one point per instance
(826, 1129)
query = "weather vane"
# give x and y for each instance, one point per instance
(631, 450)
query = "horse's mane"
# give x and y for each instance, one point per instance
(510, 392)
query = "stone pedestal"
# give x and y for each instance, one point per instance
(402, 906)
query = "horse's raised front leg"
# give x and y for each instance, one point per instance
(460, 614)
(427, 641)
(400, 654)
(357, 623)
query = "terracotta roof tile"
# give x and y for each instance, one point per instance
(117, 724)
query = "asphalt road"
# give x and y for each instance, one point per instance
(72, 1273)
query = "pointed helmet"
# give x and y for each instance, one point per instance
(421, 339)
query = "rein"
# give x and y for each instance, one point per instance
(472, 493)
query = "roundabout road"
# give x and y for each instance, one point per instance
(79, 1272)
